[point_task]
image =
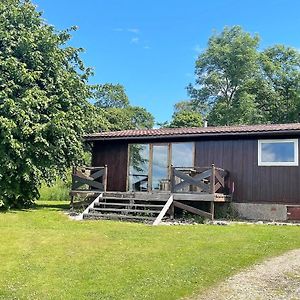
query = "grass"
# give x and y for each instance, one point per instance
(44, 255)
(58, 191)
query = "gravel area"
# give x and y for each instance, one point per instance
(277, 279)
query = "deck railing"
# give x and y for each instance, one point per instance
(87, 181)
(89, 178)
(209, 180)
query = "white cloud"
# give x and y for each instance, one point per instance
(146, 47)
(135, 40)
(133, 30)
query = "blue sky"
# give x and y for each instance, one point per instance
(150, 46)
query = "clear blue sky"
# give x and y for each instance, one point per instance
(150, 46)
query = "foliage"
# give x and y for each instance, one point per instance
(226, 211)
(109, 95)
(186, 118)
(117, 260)
(237, 84)
(279, 93)
(43, 102)
(131, 117)
(58, 191)
(112, 103)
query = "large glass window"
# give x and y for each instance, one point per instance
(278, 152)
(138, 167)
(149, 165)
(160, 174)
(183, 154)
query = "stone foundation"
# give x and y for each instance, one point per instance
(265, 212)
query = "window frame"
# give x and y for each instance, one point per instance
(294, 163)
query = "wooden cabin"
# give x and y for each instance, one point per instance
(256, 167)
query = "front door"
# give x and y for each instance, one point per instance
(160, 168)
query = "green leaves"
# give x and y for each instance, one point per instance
(44, 108)
(186, 118)
(237, 84)
(44, 104)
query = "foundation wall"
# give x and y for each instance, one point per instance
(265, 212)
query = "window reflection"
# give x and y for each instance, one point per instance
(183, 154)
(139, 157)
(160, 176)
(138, 167)
(277, 152)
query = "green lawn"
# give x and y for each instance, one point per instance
(44, 255)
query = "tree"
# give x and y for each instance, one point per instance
(109, 95)
(278, 95)
(222, 73)
(131, 117)
(186, 118)
(237, 84)
(43, 102)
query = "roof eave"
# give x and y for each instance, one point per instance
(196, 135)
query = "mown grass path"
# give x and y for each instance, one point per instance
(45, 255)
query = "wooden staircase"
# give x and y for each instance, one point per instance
(123, 207)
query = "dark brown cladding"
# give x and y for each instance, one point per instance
(114, 155)
(253, 183)
(238, 154)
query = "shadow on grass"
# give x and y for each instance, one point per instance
(52, 205)
(49, 205)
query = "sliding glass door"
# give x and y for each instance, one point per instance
(138, 167)
(160, 166)
(150, 164)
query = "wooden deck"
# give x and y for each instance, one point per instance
(188, 185)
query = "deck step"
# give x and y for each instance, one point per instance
(129, 204)
(116, 217)
(125, 210)
(131, 199)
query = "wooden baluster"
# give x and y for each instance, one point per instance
(105, 178)
(212, 179)
(172, 179)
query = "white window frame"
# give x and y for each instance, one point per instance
(279, 163)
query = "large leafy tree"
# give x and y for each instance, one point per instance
(237, 84)
(43, 102)
(223, 73)
(278, 92)
(110, 95)
(44, 107)
(112, 102)
(131, 117)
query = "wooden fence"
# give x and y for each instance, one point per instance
(208, 180)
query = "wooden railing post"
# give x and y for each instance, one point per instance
(212, 179)
(172, 179)
(72, 196)
(105, 178)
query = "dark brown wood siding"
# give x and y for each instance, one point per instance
(253, 183)
(114, 155)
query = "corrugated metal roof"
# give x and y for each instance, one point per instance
(195, 131)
